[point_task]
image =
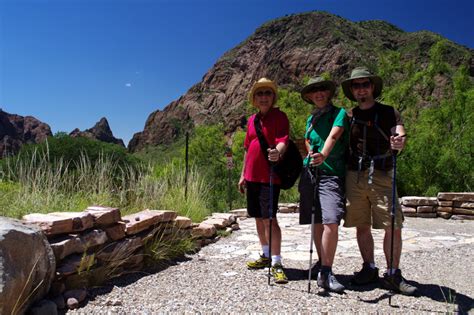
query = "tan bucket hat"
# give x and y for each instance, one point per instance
(360, 73)
(315, 82)
(263, 83)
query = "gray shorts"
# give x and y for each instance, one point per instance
(331, 205)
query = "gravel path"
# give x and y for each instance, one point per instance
(438, 258)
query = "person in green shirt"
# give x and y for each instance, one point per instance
(322, 181)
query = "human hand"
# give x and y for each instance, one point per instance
(316, 158)
(273, 155)
(242, 185)
(397, 142)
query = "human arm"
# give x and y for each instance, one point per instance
(281, 139)
(398, 138)
(242, 183)
(317, 158)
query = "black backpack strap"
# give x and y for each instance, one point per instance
(261, 138)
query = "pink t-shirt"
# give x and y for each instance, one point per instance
(276, 129)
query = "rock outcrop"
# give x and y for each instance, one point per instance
(101, 131)
(16, 130)
(27, 266)
(286, 50)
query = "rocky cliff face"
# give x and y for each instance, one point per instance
(16, 130)
(101, 131)
(286, 50)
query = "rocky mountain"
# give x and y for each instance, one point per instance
(287, 50)
(16, 130)
(101, 131)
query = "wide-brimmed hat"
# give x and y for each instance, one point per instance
(315, 82)
(360, 73)
(263, 83)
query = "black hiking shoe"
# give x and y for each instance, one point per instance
(328, 281)
(366, 275)
(315, 270)
(398, 284)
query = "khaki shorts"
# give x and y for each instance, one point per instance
(371, 204)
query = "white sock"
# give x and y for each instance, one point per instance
(372, 265)
(276, 259)
(391, 271)
(266, 250)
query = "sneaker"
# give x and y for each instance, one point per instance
(366, 275)
(328, 281)
(315, 269)
(398, 284)
(278, 274)
(260, 263)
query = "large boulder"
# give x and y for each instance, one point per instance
(27, 265)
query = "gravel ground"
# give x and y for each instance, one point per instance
(210, 282)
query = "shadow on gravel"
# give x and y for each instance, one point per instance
(457, 302)
(129, 278)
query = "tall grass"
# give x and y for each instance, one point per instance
(38, 184)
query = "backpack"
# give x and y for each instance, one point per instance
(289, 167)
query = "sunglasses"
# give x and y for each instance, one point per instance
(362, 85)
(320, 88)
(264, 93)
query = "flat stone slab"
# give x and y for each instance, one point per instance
(229, 217)
(143, 220)
(75, 244)
(104, 216)
(61, 222)
(419, 201)
(183, 222)
(239, 212)
(460, 196)
(204, 230)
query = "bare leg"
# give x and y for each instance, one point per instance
(259, 222)
(366, 243)
(329, 244)
(276, 235)
(318, 235)
(397, 246)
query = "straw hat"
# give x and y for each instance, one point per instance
(315, 82)
(360, 73)
(263, 83)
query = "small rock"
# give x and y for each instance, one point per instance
(78, 294)
(72, 303)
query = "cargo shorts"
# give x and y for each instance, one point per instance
(371, 204)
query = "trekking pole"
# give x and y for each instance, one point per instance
(314, 180)
(392, 213)
(270, 212)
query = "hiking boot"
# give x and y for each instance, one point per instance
(260, 263)
(398, 284)
(315, 270)
(278, 274)
(328, 281)
(366, 275)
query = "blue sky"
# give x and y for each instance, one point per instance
(71, 62)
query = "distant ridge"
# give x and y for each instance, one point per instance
(287, 49)
(16, 130)
(101, 131)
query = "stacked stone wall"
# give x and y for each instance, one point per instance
(447, 205)
(98, 244)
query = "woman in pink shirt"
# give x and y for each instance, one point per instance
(255, 176)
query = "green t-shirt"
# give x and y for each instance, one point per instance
(335, 163)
